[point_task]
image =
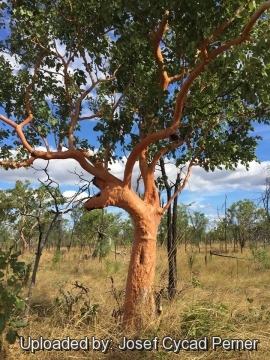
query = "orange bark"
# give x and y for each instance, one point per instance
(146, 213)
(139, 307)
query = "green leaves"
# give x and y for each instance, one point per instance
(11, 336)
(3, 263)
(10, 288)
(252, 5)
(19, 209)
(100, 61)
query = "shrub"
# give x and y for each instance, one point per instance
(11, 271)
(204, 319)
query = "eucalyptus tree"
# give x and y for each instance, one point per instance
(6, 236)
(30, 212)
(86, 227)
(171, 227)
(126, 232)
(245, 219)
(97, 229)
(173, 230)
(182, 79)
(265, 197)
(198, 222)
(20, 206)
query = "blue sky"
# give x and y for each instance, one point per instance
(205, 191)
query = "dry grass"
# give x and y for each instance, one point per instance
(226, 298)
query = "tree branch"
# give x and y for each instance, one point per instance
(143, 165)
(244, 36)
(16, 164)
(181, 187)
(191, 164)
(122, 96)
(90, 117)
(18, 129)
(78, 155)
(162, 152)
(163, 172)
(219, 30)
(42, 137)
(157, 37)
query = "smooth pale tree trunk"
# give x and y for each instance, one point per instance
(24, 243)
(139, 307)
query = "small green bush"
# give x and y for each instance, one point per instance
(11, 271)
(204, 319)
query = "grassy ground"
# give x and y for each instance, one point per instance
(226, 297)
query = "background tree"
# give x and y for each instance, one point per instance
(127, 233)
(265, 199)
(90, 224)
(171, 226)
(6, 236)
(173, 230)
(244, 218)
(19, 208)
(198, 223)
(86, 228)
(186, 80)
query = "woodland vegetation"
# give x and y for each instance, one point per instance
(138, 82)
(243, 224)
(223, 295)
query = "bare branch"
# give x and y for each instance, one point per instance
(122, 96)
(90, 117)
(79, 156)
(42, 137)
(181, 187)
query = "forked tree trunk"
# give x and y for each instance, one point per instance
(24, 242)
(139, 307)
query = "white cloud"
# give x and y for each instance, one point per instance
(71, 195)
(13, 62)
(63, 171)
(217, 181)
(59, 170)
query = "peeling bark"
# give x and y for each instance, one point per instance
(139, 307)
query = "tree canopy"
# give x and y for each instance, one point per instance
(160, 78)
(134, 81)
